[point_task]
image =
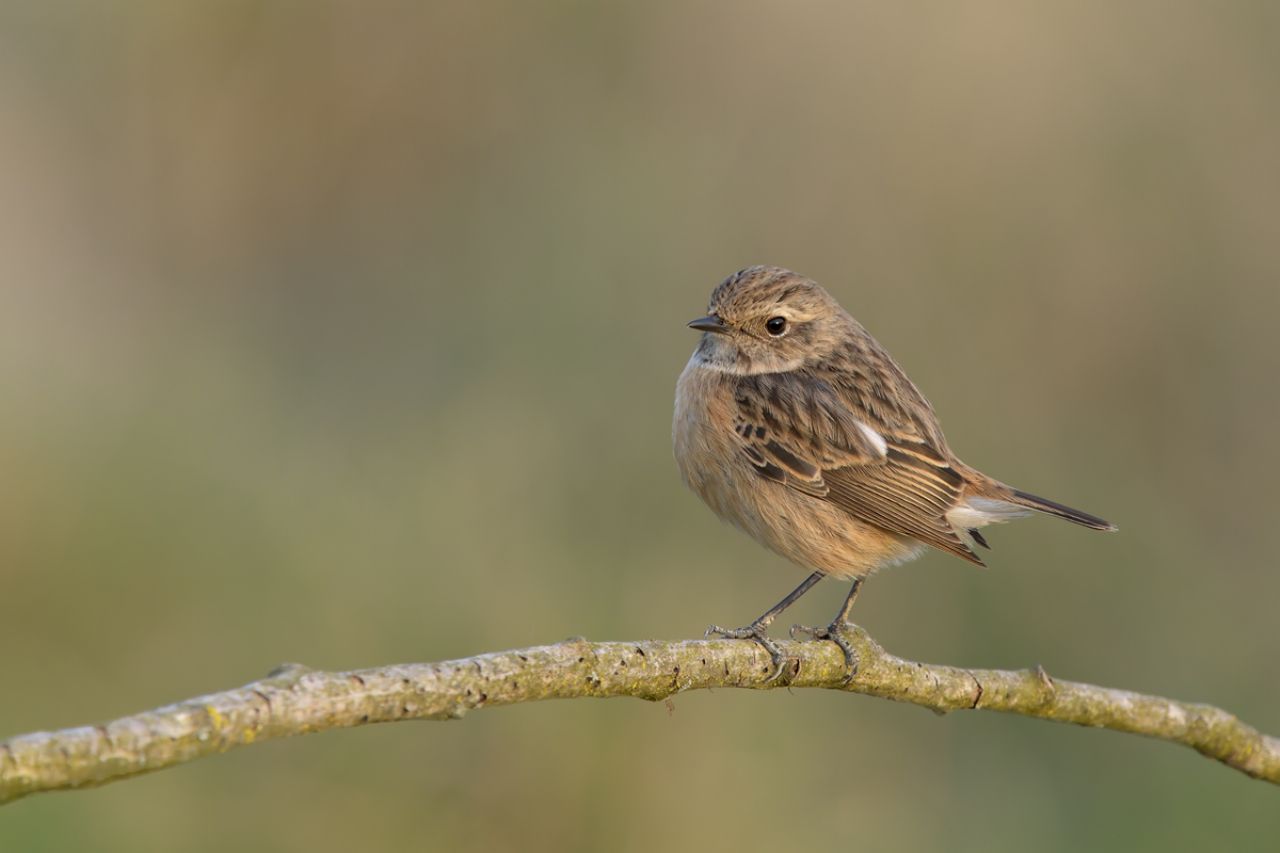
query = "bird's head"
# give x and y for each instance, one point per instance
(769, 320)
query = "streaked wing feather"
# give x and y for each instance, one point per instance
(813, 437)
(905, 496)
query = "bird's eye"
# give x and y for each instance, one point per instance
(776, 325)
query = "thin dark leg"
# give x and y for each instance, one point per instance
(842, 618)
(836, 630)
(792, 597)
(759, 629)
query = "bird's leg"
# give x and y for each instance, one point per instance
(759, 629)
(835, 632)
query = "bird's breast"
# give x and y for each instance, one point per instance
(803, 528)
(702, 432)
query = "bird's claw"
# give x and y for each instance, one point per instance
(760, 633)
(836, 633)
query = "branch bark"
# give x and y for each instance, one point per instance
(296, 700)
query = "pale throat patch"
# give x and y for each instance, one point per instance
(734, 370)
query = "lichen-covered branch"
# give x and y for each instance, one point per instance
(295, 700)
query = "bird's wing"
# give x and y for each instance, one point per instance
(881, 461)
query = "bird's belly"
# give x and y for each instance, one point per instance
(809, 531)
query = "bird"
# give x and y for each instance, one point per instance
(796, 426)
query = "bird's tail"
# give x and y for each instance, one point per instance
(1054, 508)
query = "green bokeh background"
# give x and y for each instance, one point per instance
(346, 334)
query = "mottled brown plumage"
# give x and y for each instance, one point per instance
(794, 424)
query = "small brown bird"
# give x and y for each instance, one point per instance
(796, 426)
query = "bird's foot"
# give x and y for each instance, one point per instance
(758, 631)
(836, 632)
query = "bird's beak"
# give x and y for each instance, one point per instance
(710, 323)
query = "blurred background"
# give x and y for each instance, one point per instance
(347, 334)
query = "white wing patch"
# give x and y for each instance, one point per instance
(876, 439)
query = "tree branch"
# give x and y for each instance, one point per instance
(296, 700)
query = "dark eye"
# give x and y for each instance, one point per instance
(776, 325)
